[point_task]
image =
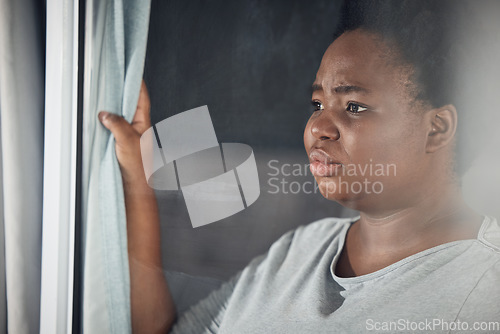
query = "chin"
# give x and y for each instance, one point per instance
(330, 190)
(351, 194)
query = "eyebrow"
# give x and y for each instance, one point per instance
(342, 89)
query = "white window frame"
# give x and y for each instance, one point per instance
(59, 175)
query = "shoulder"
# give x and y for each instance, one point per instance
(316, 232)
(303, 244)
(482, 302)
(322, 230)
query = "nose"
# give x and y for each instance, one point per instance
(324, 127)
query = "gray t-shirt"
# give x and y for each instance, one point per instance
(454, 287)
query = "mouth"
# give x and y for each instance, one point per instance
(322, 164)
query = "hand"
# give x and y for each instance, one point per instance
(152, 306)
(127, 137)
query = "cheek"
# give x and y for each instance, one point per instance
(308, 137)
(398, 148)
(378, 139)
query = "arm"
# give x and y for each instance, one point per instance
(152, 307)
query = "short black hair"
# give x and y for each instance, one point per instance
(435, 37)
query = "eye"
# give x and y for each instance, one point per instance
(317, 105)
(355, 108)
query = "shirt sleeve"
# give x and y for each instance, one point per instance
(207, 315)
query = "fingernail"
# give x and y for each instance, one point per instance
(103, 115)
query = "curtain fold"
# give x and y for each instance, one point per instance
(116, 52)
(22, 96)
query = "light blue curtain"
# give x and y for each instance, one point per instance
(115, 60)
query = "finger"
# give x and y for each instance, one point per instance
(141, 121)
(119, 127)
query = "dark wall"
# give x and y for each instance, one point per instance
(252, 63)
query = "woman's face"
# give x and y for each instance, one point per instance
(366, 138)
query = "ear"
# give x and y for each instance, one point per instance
(442, 127)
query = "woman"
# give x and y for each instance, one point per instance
(416, 259)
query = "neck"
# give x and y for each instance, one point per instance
(432, 221)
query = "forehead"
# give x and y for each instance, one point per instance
(363, 59)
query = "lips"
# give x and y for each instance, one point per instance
(322, 164)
